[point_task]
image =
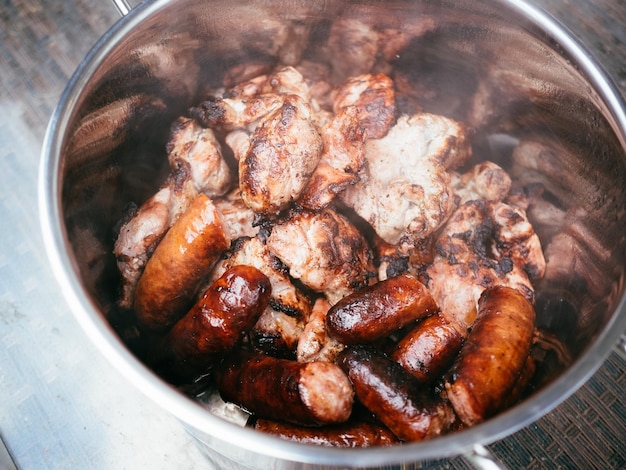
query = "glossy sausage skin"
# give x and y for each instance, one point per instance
(429, 349)
(227, 310)
(394, 396)
(310, 394)
(349, 434)
(493, 356)
(179, 263)
(376, 311)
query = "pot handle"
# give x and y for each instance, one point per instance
(123, 7)
(481, 458)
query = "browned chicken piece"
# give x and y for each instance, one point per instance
(374, 98)
(364, 109)
(247, 104)
(314, 343)
(341, 160)
(280, 325)
(484, 244)
(238, 218)
(352, 48)
(324, 251)
(405, 191)
(199, 148)
(287, 81)
(485, 180)
(231, 113)
(284, 151)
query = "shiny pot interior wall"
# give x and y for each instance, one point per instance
(532, 110)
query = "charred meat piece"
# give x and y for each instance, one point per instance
(394, 396)
(280, 325)
(324, 251)
(216, 324)
(429, 349)
(199, 148)
(341, 160)
(374, 98)
(283, 153)
(377, 311)
(406, 202)
(350, 434)
(304, 393)
(485, 243)
(179, 264)
(494, 355)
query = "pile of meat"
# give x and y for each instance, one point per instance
(324, 261)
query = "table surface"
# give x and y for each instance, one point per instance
(63, 405)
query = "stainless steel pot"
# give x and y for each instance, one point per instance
(503, 66)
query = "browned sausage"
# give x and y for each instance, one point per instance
(312, 393)
(493, 355)
(179, 263)
(429, 349)
(394, 396)
(215, 324)
(349, 434)
(377, 311)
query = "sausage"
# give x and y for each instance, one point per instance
(215, 324)
(429, 349)
(493, 356)
(349, 434)
(521, 384)
(309, 394)
(394, 396)
(182, 259)
(378, 310)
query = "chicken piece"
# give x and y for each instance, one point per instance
(248, 103)
(485, 243)
(199, 148)
(287, 81)
(314, 343)
(341, 160)
(231, 113)
(280, 325)
(485, 181)
(324, 251)
(405, 192)
(238, 218)
(374, 98)
(283, 153)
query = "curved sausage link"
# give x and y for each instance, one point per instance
(429, 349)
(493, 356)
(379, 310)
(310, 394)
(349, 434)
(394, 396)
(182, 259)
(215, 324)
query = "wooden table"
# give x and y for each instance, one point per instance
(63, 406)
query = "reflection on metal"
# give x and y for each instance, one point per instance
(122, 6)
